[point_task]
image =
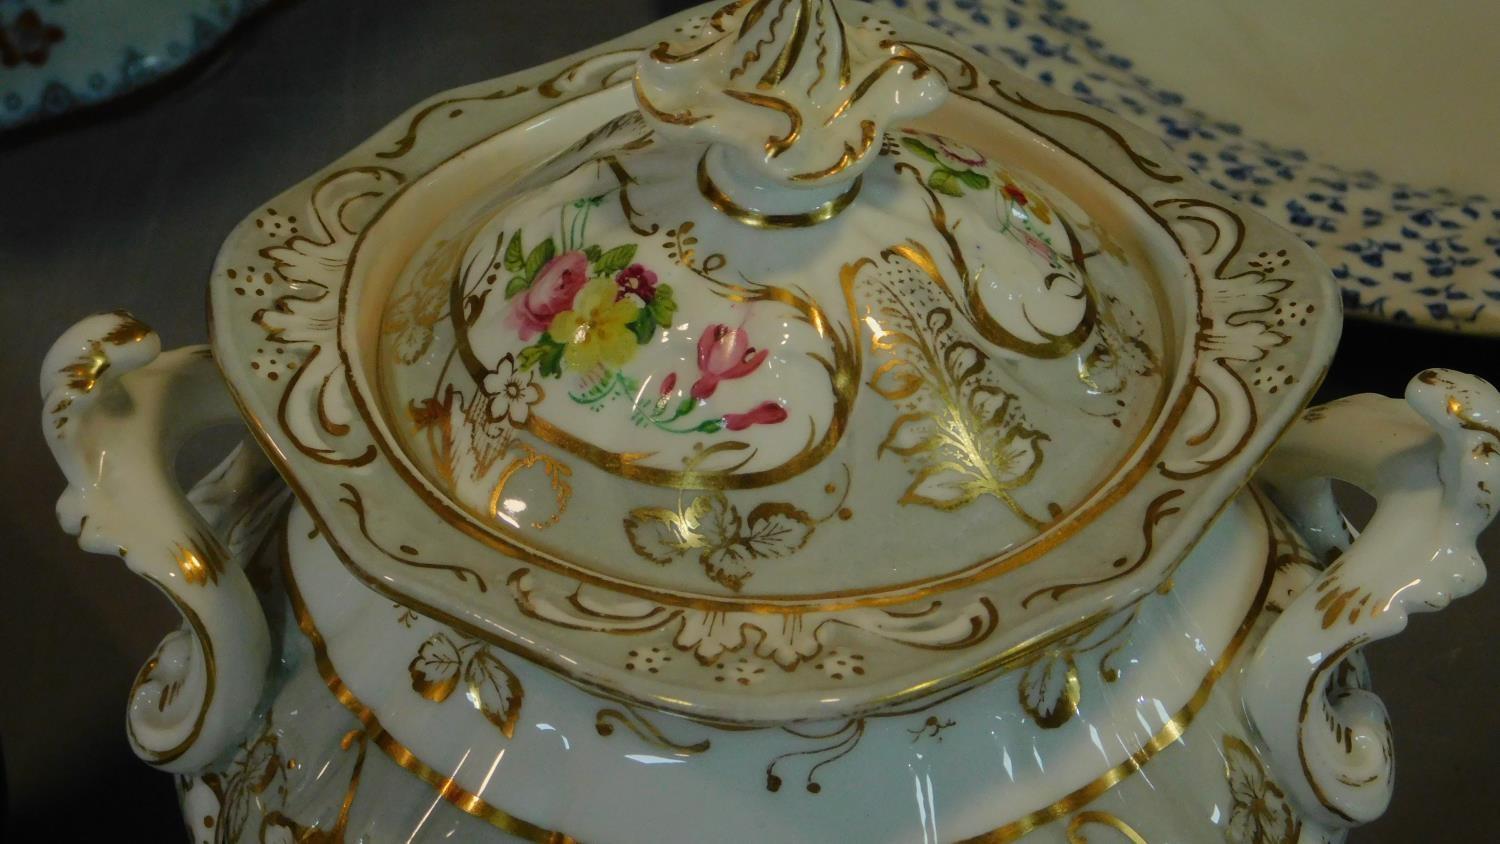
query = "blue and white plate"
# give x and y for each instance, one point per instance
(1426, 257)
(58, 55)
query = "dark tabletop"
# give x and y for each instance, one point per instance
(125, 207)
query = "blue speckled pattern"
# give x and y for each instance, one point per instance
(58, 55)
(1406, 255)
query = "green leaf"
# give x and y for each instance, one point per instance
(592, 252)
(663, 305)
(644, 326)
(709, 426)
(551, 363)
(920, 149)
(977, 181)
(515, 259)
(614, 260)
(530, 357)
(946, 181)
(545, 354)
(539, 257)
(516, 285)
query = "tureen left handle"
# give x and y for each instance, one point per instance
(116, 410)
(1433, 465)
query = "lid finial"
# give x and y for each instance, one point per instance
(792, 102)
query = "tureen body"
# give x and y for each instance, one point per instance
(777, 424)
(388, 724)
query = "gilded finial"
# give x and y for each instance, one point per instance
(786, 95)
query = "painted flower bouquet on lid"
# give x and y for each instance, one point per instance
(587, 310)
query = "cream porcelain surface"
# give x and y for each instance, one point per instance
(615, 476)
(927, 347)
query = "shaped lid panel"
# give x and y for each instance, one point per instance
(616, 375)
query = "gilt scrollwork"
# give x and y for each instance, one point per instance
(789, 640)
(316, 408)
(1433, 462)
(109, 392)
(1239, 295)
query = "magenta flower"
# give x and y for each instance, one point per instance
(550, 293)
(1040, 247)
(669, 384)
(724, 354)
(636, 279)
(765, 413)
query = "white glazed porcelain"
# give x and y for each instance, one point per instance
(925, 349)
(769, 426)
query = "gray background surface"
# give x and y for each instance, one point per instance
(125, 206)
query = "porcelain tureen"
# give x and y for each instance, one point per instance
(779, 424)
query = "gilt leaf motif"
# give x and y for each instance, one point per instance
(435, 669)
(963, 434)
(494, 690)
(441, 664)
(1050, 690)
(727, 543)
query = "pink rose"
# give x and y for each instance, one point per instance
(550, 293)
(765, 413)
(724, 353)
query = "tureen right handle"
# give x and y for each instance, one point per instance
(116, 410)
(1433, 465)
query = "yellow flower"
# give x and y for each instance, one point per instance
(1040, 209)
(597, 328)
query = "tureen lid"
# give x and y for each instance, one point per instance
(765, 349)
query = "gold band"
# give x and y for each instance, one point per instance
(724, 205)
